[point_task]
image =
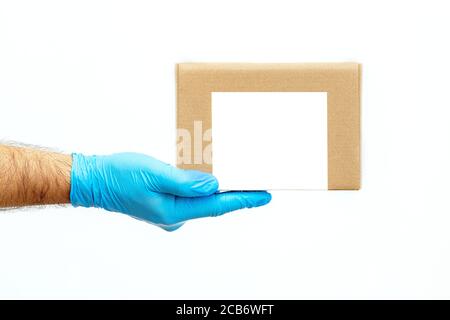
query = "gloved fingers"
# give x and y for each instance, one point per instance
(183, 183)
(218, 204)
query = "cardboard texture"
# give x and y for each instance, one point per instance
(341, 81)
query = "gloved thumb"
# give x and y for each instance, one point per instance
(187, 183)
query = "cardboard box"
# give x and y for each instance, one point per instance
(276, 126)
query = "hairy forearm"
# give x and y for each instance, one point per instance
(33, 177)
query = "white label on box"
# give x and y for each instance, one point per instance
(270, 140)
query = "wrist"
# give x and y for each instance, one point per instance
(84, 186)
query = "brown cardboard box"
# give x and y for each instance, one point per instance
(341, 81)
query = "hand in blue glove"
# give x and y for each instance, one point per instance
(150, 190)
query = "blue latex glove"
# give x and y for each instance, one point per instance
(153, 191)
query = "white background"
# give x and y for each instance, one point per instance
(98, 77)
